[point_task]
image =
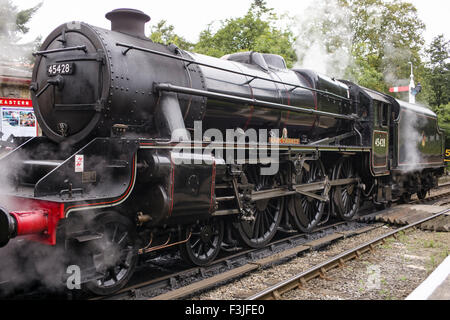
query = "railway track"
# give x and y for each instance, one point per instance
(181, 285)
(298, 281)
(185, 282)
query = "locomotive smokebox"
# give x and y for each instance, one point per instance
(129, 21)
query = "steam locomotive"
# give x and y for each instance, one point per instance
(133, 159)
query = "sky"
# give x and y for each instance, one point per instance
(191, 17)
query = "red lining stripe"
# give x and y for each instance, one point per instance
(109, 202)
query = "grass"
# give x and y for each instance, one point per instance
(388, 243)
(386, 294)
(432, 264)
(444, 254)
(401, 236)
(430, 244)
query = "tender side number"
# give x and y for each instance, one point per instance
(380, 142)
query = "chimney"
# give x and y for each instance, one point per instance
(129, 21)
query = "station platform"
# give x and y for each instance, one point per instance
(436, 286)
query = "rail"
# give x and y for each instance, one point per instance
(299, 280)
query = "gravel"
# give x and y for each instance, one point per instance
(247, 285)
(392, 272)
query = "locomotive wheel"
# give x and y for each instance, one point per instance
(405, 198)
(346, 197)
(306, 211)
(205, 240)
(114, 255)
(267, 213)
(422, 194)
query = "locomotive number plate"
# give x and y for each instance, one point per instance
(60, 68)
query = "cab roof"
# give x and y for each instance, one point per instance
(416, 108)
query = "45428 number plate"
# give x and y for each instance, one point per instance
(60, 68)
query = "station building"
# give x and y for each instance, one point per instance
(17, 119)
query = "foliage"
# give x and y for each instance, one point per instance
(164, 33)
(386, 36)
(366, 70)
(437, 82)
(256, 31)
(13, 25)
(438, 71)
(443, 113)
(324, 39)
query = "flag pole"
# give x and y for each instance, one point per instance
(412, 98)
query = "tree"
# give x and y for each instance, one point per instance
(324, 41)
(165, 34)
(386, 35)
(438, 71)
(367, 41)
(13, 25)
(438, 81)
(256, 31)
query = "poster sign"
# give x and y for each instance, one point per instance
(17, 118)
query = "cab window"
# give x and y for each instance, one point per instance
(382, 114)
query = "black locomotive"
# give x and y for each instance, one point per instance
(107, 180)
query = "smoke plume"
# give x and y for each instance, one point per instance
(324, 39)
(11, 48)
(412, 137)
(333, 40)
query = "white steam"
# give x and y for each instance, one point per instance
(11, 48)
(25, 264)
(327, 42)
(391, 59)
(410, 154)
(324, 39)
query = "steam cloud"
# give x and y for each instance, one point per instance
(324, 39)
(11, 50)
(25, 264)
(409, 129)
(325, 42)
